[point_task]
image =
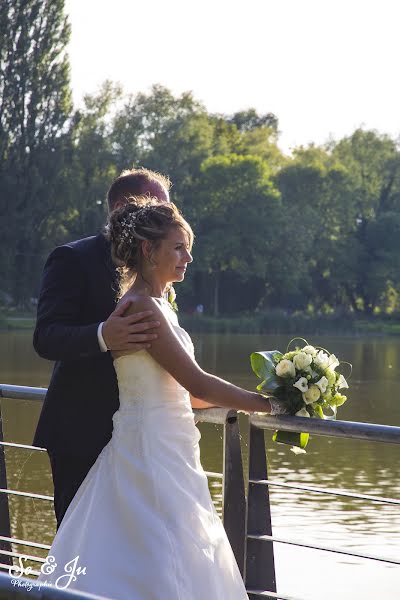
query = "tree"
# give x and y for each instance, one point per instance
(35, 104)
(93, 165)
(234, 222)
(373, 163)
(247, 120)
(314, 196)
(170, 134)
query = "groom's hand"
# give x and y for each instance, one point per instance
(128, 332)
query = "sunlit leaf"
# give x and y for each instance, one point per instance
(263, 363)
(270, 384)
(292, 438)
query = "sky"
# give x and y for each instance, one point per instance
(323, 67)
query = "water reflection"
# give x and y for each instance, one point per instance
(363, 467)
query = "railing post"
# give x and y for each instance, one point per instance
(260, 564)
(5, 529)
(234, 499)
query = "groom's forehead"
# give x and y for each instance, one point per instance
(156, 190)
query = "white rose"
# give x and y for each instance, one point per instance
(301, 384)
(302, 360)
(303, 412)
(322, 384)
(285, 368)
(309, 350)
(321, 360)
(312, 394)
(333, 362)
(341, 383)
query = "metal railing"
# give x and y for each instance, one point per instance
(260, 564)
(247, 520)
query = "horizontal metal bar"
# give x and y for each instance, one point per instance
(345, 429)
(4, 566)
(214, 475)
(266, 594)
(22, 392)
(24, 542)
(24, 446)
(218, 416)
(270, 538)
(26, 556)
(26, 494)
(309, 488)
(8, 567)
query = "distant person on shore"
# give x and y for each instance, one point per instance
(199, 309)
(77, 322)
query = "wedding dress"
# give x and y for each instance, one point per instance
(143, 524)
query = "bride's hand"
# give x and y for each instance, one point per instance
(127, 334)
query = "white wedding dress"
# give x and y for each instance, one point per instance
(143, 523)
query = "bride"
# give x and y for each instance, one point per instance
(142, 525)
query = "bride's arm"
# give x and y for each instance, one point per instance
(197, 403)
(168, 351)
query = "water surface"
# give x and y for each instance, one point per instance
(364, 467)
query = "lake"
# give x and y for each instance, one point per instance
(363, 467)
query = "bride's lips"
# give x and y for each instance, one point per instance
(181, 269)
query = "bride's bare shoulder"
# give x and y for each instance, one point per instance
(140, 303)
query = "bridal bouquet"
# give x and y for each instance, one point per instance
(303, 382)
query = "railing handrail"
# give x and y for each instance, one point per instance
(217, 416)
(350, 429)
(346, 429)
(22, 392)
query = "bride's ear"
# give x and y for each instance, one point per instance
(147, 249)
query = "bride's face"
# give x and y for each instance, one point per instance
(172, 256)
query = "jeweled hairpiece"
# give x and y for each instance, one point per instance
(129, 222)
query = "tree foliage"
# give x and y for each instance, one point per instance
(35, 104)
(315, 231)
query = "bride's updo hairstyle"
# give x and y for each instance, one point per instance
(141, 218)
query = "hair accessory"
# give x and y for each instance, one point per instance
(129, 222)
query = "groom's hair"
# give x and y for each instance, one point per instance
(134, 182)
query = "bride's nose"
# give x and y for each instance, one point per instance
(189, 256)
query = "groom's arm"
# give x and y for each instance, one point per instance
(58, 333)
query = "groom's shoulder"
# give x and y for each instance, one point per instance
(83, 247)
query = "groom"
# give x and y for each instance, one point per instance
(77, 323)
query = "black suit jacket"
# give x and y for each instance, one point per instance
(78, 292)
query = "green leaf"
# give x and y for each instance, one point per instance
(318, 411)
(263, 363)
(292, 438)
(270, 384)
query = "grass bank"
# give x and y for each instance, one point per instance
(12, 320)
(268, 323)
(277, 323)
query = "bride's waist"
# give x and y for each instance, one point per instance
(133, 408)
(169, 397)
(177, 417)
